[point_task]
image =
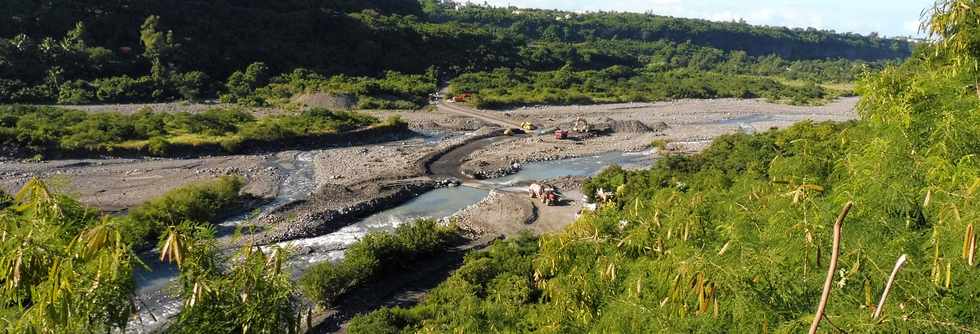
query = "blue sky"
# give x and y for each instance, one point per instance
(886, 17)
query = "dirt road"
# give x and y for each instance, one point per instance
(486, 116)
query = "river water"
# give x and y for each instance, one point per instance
(154, 288)
(155, 295)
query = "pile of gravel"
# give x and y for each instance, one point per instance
(326, 101)
(609, 125)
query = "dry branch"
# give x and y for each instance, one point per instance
(830, 270)
(888, 286)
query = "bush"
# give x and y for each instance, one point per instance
(393, 91)
(374, 255)
(124, 89)
(76, 92)
(199, 202)
(158, 146)
(504, 88)
(191, 86)
(503, 273)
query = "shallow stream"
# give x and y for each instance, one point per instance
(154, 290)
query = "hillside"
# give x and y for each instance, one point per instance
(92, 51)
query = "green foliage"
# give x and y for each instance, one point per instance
(200, 202)
(158, 146)
(253, 295)
(241, 85)
(392, 91)
(737, 237)
(569, 27)
(65, 270)
(393, 121)
(484, 294)
(54, 130)
(68, 271)
(163, 51)
(373, 256)
(514, 87)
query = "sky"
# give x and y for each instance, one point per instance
(886, 17)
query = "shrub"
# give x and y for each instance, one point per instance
(374, 255)
(199, 202)
(123, 89)
(158, 146)
(76, 92)
(191, 86)
(44, 129)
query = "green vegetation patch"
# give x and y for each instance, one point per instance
(375, 255)
(57, 256)
(392, 91)
(47, 130)
(199, 202)
(504, 88)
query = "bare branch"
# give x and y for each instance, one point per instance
(830, 270)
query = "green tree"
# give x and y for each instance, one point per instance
(241, 85)
(253, 295)
(65, 270)
(956, 26)
(158, 46)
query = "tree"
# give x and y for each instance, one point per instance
(157, 45)
(241, 85)
(955, 24)
(252, 295)
(64, 269)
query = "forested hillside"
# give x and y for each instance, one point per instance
(95, 51)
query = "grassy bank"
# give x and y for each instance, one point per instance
(198, 203)
(53, 131)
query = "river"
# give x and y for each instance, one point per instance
(156, 302)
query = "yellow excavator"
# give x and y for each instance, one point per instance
(527, 126)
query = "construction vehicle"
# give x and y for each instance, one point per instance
(551, 198)
(527, 126)
(462, 97)
(548, 194)
(581, 126)
(561, 134)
